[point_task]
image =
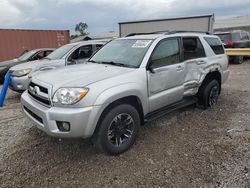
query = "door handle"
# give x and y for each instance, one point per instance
(201, 62)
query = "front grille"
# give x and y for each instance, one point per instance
(42, 89)
(42, 100)
(39, 93)
(33, 114)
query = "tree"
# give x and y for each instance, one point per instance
(81, 27)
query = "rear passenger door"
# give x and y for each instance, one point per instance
(195, 59)
(166, 74)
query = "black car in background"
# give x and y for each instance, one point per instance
(28, 56)
(235, 39)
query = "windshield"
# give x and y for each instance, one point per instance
(26, 55)
(127, 52)
(225, 37)
(59, 52)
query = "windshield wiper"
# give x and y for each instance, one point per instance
(117, 64)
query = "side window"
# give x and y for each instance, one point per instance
(166, 53)
(38, 56)
(244, 36)
(192, 48)
(47, 53)
(215, 44)
(83, 52)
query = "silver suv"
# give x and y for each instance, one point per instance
(128, 82)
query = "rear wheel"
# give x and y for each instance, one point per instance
(118, 129)
(209, 93)
(238, 59)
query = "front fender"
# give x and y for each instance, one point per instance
(124, 90)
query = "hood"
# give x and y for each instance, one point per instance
(34, 65)
(80, 75)
(10, 63)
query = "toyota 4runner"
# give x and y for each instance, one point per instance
(128, 82)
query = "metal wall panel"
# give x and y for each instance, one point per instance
(198, 23)
(14, 42)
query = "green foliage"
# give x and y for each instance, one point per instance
(73, 36)
(81, 28)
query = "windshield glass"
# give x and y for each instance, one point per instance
(59, 52)
(127, 52)
(26, 55)
(225, 37)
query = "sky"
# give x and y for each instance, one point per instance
(103, 16)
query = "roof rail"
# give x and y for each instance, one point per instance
(167, 32)
(180, 31)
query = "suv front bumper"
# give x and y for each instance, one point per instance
(82, 120)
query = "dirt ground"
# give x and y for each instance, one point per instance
(188, 148)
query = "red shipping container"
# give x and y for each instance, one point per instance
(13, 42)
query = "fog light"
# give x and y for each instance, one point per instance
(63, 126)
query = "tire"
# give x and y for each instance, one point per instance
(209, 93)
(238, 59)
(117, 130)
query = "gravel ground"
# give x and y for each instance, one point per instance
(188, 148)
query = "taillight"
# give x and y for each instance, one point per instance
(229, 44)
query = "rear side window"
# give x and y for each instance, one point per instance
(215, 44)
(192, 48)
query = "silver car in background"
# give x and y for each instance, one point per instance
(69, 54)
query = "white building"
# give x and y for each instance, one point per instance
(235, 23)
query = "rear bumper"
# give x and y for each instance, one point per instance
(19, 83)
(82, 120)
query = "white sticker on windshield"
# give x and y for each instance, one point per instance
(141, 43)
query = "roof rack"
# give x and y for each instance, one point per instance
(151, 33)
(180, 31)
(167, 32)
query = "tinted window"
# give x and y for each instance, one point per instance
(166, 53)
(48, 52)
(38, 56)
(192, 48)
(215, 44)
(82, 52)
(244, 35)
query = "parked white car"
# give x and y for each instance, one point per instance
(69, 54)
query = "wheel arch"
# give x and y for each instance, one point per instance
(214, 74)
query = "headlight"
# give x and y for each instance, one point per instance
(3, 68)
(19, 73)
(69, 95)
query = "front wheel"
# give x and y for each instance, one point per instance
(118, 129)
(209, 93)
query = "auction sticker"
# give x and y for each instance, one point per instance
(141, 43)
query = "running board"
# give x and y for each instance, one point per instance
(168, 109)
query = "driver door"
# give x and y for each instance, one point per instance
(166, 74)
